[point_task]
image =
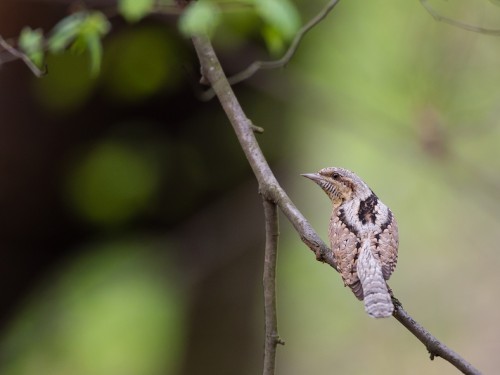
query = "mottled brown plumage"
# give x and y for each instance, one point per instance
(364, 238)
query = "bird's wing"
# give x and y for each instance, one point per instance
(387, 247)
(345, 247)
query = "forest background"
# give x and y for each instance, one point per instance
(131, 230)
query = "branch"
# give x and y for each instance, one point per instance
(258, 65)
(269, 282)
(461, 25)
(433, 345)
(272, 191)
(268, 184)
(16, 54)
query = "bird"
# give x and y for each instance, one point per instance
(363, 235)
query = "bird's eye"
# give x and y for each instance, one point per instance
(335, 175)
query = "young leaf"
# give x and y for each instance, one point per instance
(274, 40)
(31, 43)
(80, 32)
(92, 30)
(134, 10)
(95, 23)
(78, 24)
(198, 18)
(65, 31)
(94, 47)
(280, 15)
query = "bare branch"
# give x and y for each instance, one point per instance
(19, 55)
(269, 282)
(433, 345)
(258, 65)
(268, 184)
(272, 191)
(461, 25)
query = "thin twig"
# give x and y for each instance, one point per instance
(435, 347)
(271, 190)
(461, 25)
(258, 65)
(18, 54)
(269, 282)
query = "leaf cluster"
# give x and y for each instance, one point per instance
(81, 31)
(280, 19)
(84, 30)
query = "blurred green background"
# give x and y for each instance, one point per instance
(131, 231)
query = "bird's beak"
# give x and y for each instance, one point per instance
(316, 177)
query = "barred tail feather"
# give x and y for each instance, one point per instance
(378, 303)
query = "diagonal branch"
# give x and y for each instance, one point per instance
(16, 54)
(433, 345)
(269, 282)
(272, 191)
(242, 126)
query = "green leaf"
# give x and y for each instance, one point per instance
(274, 40)
(78, 24)
(94, 47)
(65, 32)
(495, 2)
(199, 17)
(81, 32)
(280, 15)
(31, 43)
(95, 26)
(134, 10)
(95, 23)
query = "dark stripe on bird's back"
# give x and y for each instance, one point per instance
(358, 246)
(366, 211)
(344, 221)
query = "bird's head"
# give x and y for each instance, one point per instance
(340, 184)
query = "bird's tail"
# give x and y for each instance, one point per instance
(378, 303)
